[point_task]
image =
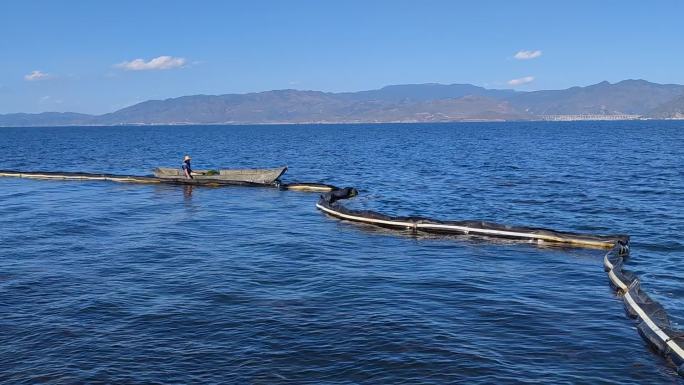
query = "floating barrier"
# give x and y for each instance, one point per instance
(327, 203)
(653, 323)
(652, 320)
(308, 187)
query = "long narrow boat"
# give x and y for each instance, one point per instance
(244, 177)
(255, 176)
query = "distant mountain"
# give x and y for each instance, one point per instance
(637, 97)
(427, 92)
(287, 106)
(673, 109)
(291, 106)
(45, 119)
(397, 103)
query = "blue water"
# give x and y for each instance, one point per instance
(103, 282)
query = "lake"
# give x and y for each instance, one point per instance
(103, 282)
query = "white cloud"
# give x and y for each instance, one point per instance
(49, 100)
(521, 81)
(526, 55)
(158, 63)
(36, 75)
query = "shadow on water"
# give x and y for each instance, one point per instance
(187, 193)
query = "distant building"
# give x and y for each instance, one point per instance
(568, 118)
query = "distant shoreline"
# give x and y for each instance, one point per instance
(180, 124)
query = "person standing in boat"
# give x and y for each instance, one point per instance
(187, 169)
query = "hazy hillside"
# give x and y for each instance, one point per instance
(262, 107)
(45, 119)
(673, 109)
(427, 92)
(397, 103)
(637, 97)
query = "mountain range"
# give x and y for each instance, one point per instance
(628, 99)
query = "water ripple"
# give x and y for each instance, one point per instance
(110, 283)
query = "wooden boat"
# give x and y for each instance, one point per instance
(266, 176)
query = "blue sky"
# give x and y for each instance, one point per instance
(97, 56)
